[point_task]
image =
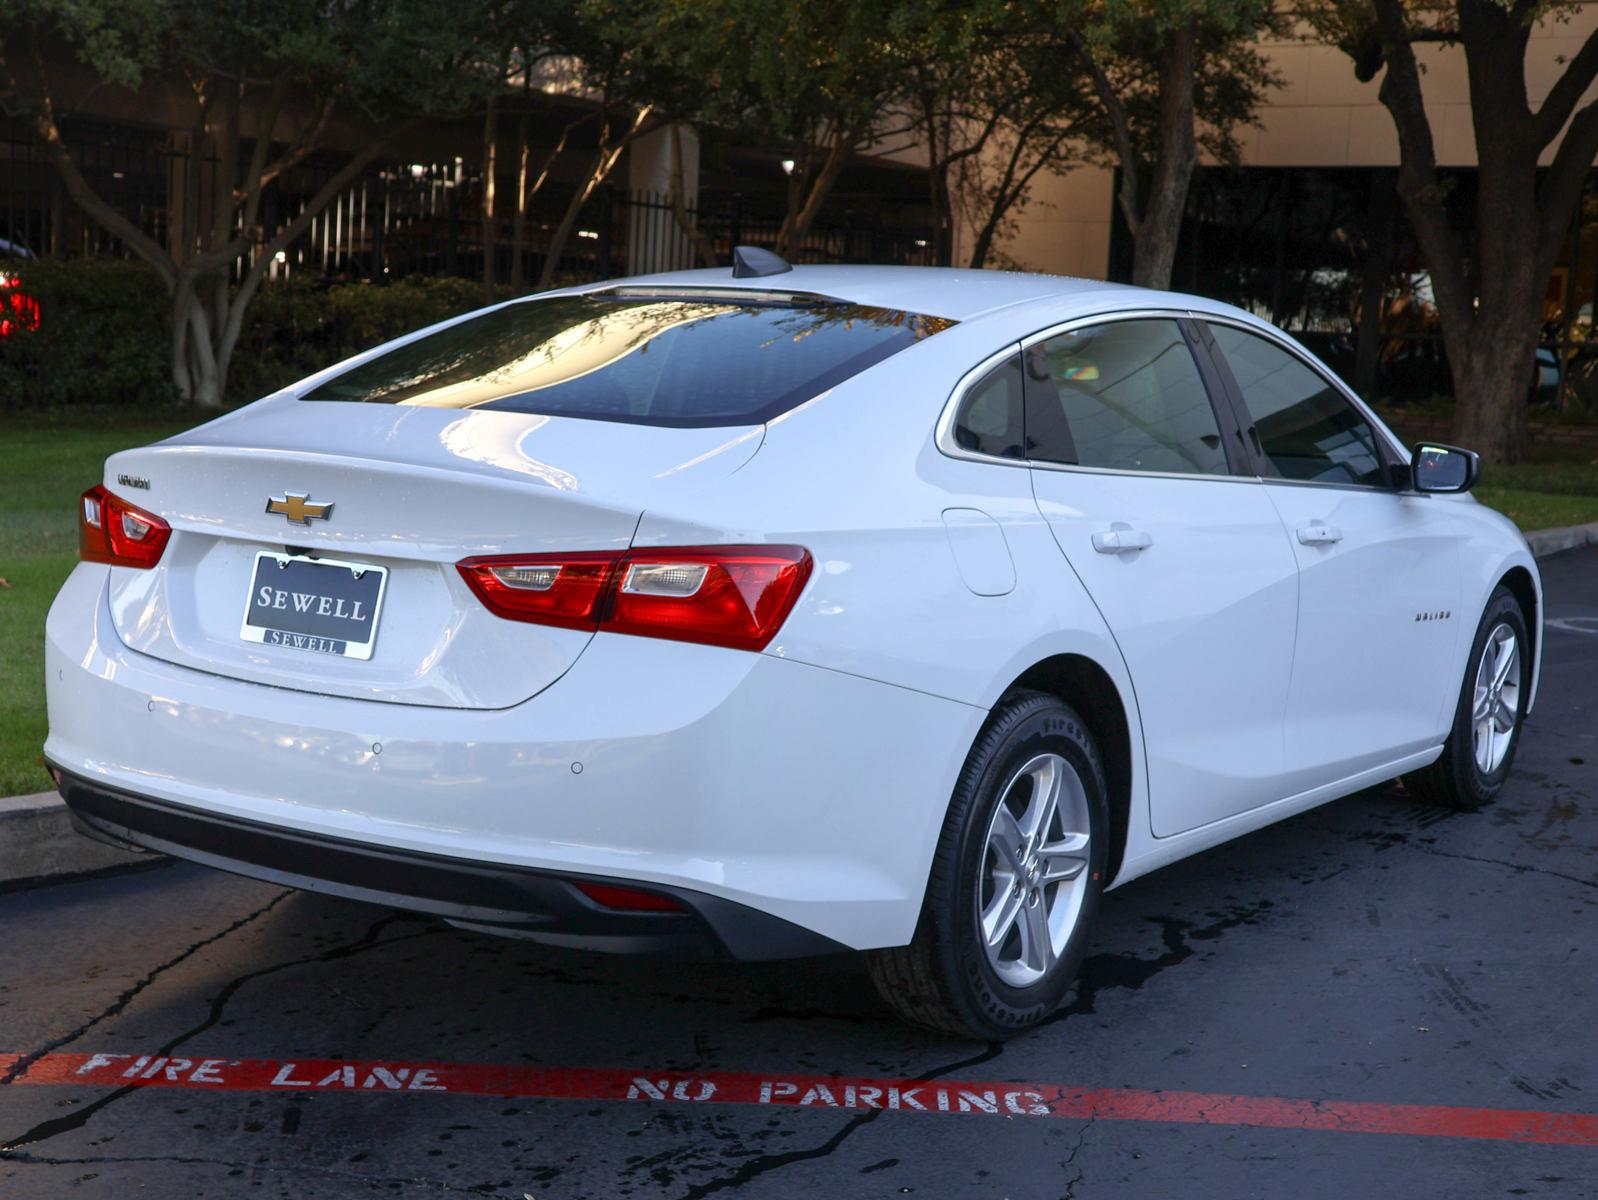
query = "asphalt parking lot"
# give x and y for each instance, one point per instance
(1267, 1019)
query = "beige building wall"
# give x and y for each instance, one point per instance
(1321, 116)
(1064, 230)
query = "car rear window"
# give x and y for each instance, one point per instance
(716, 359)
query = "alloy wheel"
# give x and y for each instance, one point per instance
(1034, 870)
(1495, 707)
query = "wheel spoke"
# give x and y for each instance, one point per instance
(1482, 704)
(1503, 716)
(1045, 799)
(1005, 837)
(1037, 948)
(999, 917)
(1484, 744)
(1508, 655)
(1063, 860)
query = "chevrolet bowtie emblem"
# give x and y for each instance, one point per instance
(297, 507)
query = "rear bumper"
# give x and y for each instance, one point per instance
(514, 901)
(812, 796)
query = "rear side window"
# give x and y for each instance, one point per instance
(1307, 430)
(1125, 395)
(651, 360)
(989, 420)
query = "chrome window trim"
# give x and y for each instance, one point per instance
(944, 434)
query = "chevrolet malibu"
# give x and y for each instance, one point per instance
(783, 612)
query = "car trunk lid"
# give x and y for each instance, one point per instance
(411, 491)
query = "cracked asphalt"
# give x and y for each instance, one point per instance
(1372, 950)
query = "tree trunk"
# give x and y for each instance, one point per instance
(805, 201)
(1491, 375)
(1375, 272)
(1489, 286)
(490, 164)
(703, 250)
(518, 227)
(940, 205)
(1176, 152)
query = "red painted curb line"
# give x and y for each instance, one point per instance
(807, 1091)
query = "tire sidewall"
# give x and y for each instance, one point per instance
(1050, 727)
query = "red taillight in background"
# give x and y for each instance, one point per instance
(110, 530)
(734, 596)
(19, 312)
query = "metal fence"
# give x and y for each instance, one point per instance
(400, 218)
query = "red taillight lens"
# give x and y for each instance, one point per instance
(735, 596)
(628, 899)
(110, 530)
(549, 589)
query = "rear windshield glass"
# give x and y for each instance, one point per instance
(651, 360)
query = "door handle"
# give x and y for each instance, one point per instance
(1318, 533)
(1114, 541)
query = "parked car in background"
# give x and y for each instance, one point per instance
(18, 310)
(786, 611)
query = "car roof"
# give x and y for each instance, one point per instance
(953, 292)
(936, 291)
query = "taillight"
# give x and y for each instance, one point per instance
(110, 530)
(549, 589)
(734, 596)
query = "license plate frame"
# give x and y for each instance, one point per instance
(308, 628)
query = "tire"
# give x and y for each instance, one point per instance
(1465, 777)
(947, 979)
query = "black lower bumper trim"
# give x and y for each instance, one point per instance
(496, 897)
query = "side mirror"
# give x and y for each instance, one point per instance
(1444, 469)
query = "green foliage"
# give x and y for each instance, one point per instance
(383, 57)
(102, 338)
(104, 334)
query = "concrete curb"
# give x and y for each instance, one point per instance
(37, 839)
(1544, 542)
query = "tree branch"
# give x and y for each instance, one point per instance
(305, 141)
(1567, 91)
(1121, 129)
(1562, 185)
(290, 233)
(86, 198)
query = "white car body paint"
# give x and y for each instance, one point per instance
(1258, 676)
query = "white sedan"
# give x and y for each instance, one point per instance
(786, 611)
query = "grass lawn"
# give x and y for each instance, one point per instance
(46, 462)
(1560, 488)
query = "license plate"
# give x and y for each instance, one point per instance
(318, 604)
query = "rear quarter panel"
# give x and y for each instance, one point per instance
(856, 477)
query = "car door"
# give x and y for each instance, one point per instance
(1139, 474)
(1379, 570)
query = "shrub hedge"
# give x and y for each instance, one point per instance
(104, 332)
(102, 337)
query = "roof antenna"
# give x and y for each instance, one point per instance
(751, 262)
